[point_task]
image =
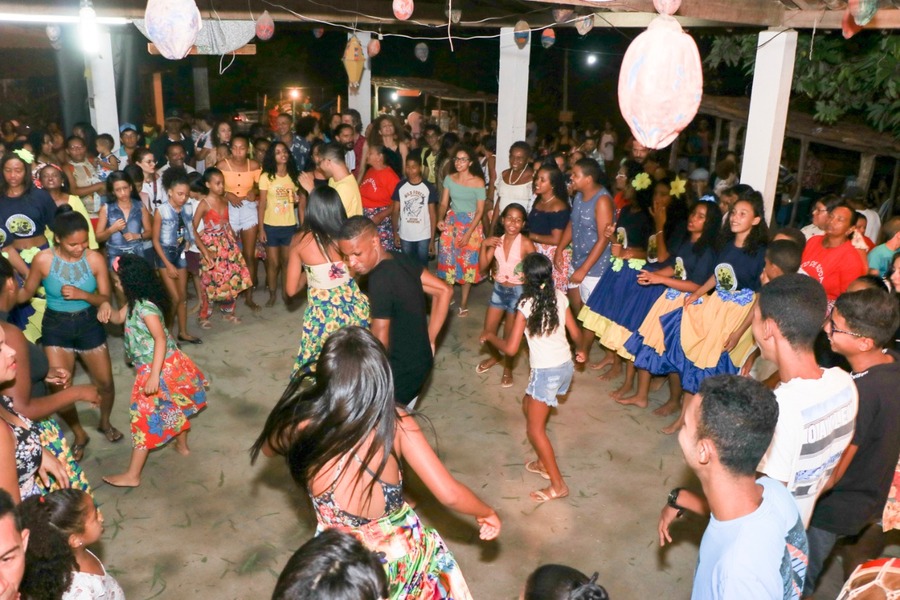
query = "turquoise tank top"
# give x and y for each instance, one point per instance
(62, 273)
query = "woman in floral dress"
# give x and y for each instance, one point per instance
(169, 388)
(334, 298)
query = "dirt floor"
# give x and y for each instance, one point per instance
(211, 526)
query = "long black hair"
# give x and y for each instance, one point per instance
(26, 182)
(114, 178)
(759, 233)
(711, 226)
(139, 282)
(539, 288)
(270, 167)
(348, 398)
(324, 216)
(557, 182)
(66, 222)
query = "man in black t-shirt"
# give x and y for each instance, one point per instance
(860, 328)
(397, 285)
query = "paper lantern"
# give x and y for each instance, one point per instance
(849, 26)
(421, 51)
(562, 15)
(373, 47)
(172, 25)
(584, 24)
(54, 34)
(862, 10)
(521, 33)
(548, 38)
(667, 7)
(403, 9)
(354, 61)
(453, 15)
(318, 32)
(265, 26)
(661, 83)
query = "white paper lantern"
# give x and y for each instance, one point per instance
(172, 25)
(265, 26)
(422, 51)
(584, 24)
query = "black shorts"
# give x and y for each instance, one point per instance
(279, 235)
(79, 331)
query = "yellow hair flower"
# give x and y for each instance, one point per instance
(641, 182)
(26, 156)
(678, 186)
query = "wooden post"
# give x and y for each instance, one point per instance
(866, 168)
(714, 151)
(158, 109)
(734, 128)
(801, 166)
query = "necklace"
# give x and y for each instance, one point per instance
(511, 171)
(548, 200)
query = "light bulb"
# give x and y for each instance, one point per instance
(87, 28)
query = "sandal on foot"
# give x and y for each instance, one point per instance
(231, 318)
(506, 381)
(205, 324)
(483, 367)
(462, 312)
(541, 496)
(192, 340)
(78, 450)
(112, 434)
(532, 467)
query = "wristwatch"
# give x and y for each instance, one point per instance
(672, 502)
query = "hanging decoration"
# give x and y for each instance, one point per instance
(453, 15)
(172, 26)
(403, 9)
(584, 24)
(318, 32)
(422, 51)
(548, 38)
(373, 47)
(849, 27)
(561, 15)
(862, 10)
(667, 7)
(54, 34)
(521, 34)
(661, 83)
(354, 61)
(265, 26)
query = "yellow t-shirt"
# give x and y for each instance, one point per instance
(280, 208)
(78, 206)
(348, 190)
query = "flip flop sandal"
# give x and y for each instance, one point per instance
(541, 496)
(480, 368)
(462, 312)
(112, 434)
(506, 381)
(532, 467)
(78, 450)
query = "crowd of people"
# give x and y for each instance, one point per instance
(776, 345)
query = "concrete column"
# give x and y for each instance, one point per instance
(769, 102)
(361, 98)
(201, 85)
(512, 101)
(101, 83)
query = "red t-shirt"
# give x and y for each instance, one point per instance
(835, 268)
(378, 187)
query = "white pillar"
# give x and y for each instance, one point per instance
(512, 97)
(769, 102)
(361, 98)
(101, 85)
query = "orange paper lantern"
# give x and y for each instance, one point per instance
(661, 83)
(265, 26)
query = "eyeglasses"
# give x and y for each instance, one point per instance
(836, 330)
(820, 210)
(461, 159)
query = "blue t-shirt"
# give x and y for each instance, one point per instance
(698, 267)
(747, 267)
(759, 556)
(880, 258)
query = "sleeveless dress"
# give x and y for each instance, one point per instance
(543, 223)
(228, 275)
(28, 451)
(334, 302)
(417, 561)
(156, 419)
(87, 586)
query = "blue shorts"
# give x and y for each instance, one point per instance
(544, 385)
(174, 254)
(505, 298)
(78, 331)
(279, 235)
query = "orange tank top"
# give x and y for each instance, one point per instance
(240, 183)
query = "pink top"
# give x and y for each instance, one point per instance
(509, 268)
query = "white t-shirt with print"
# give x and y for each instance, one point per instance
(551, 350)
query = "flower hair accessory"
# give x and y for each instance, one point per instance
(677, 188)
(641, 182)
(26, 156)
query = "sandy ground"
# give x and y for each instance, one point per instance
(211, 526)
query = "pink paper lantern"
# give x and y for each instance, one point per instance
(403, 9)
(561, 15)
(172, 25)
(373, 48)
(667, 7)
(661, 83)
(265, 26)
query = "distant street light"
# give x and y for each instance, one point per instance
(295, 93)
(395, 96)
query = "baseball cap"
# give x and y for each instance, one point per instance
(128, 126)
(699, 175)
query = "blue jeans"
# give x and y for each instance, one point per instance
(821, 543)
(418, 250)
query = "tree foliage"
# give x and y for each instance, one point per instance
(857, 77)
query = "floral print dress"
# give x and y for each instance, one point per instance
(334, 302)
(158, 418)
(228, 275)
(28, 451)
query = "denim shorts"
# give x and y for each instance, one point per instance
(243, 217)
(544, 385)
(505, 298)
(279, 235)
(79, 331)
(174, 254)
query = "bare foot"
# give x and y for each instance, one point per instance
(271, 301)
(633, 400)
(612, 373)
(194, 309)
(122, 480)
(251, 304)
(656, 383)
(181, 446)
(670, 429)
(599, 365)
(626, 388)
(667, 409)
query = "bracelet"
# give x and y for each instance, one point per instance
(672, 502)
